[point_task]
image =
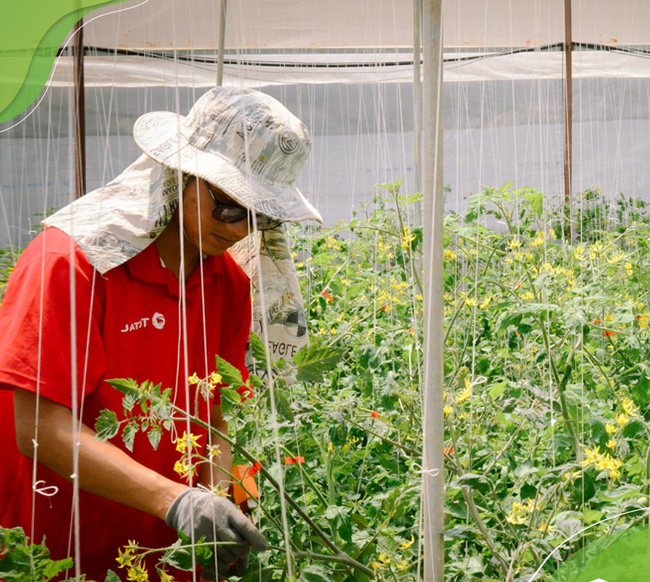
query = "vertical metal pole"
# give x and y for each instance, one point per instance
(417, 94)
(79, 110)
(568, 108)
(222, 41)
(433, 488)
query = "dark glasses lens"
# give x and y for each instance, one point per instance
(229, 213)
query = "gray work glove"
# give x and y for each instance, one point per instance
(199, 513)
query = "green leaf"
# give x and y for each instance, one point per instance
(55, 567)
(314, 573)
(230, 375)
(177, 556)
(314, 360)
(258, 575)
(497, 389)
(474, 480)
(622, 492)
(282, 405)
(536, 200)
(526, 468)
(591, 515)
(154, 436)
(258, 350)
(106, 425)
(111, 576)
(128, 434)
(125, 385)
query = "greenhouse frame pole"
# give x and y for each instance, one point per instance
(568, 106)
(417, 94)
(433, 488)
(79, 110)
(222, 41)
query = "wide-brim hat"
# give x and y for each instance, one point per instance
(244, 142)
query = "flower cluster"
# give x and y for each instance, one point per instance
(136, 568)
(520, 512)
(602, 462)
(187, 445)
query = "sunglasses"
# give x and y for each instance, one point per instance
(229, 213)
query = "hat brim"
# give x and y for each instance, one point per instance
(158, 135)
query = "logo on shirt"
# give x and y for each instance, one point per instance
(157, 320)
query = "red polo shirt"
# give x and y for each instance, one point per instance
(128, 325)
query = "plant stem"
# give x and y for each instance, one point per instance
(316, 529)
(467, 494)
(386, 440)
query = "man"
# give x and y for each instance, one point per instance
(93, 299)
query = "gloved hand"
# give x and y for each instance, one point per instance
(199, 513)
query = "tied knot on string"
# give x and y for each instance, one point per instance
(46, 490)
(428, 472)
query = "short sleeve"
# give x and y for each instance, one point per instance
(42, 323)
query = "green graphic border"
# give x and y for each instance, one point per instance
(25, 66)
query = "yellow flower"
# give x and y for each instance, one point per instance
(407, 238)
(406, 545)
(402, 565)
(514, 243)
(137, 573)
(611, 444)
(538, 241)
(215, 378)
(528, 296)
(551, 233)
(622, 420)
(629, 407)
(125, 558)
(465, 393)
(194, 379)
(628, 269)
(448, 255)
(595, 249)
(520, 512)
(351, 442)
(610, 428)
(183, 468)
(591, 455)
(546, 528)
(192, 439)
(448, 410)
(330, 447)
(470, 301)
(615, 257)
(602, 462)
(384, 558)
(579, 253)
(164, 577)
(375, 565)
(484, 304)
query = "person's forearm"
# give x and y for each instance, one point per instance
(103, 469)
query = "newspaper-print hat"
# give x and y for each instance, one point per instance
(242, 141)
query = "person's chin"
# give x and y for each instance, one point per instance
(217, 245)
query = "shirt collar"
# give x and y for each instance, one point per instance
(148, 266)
